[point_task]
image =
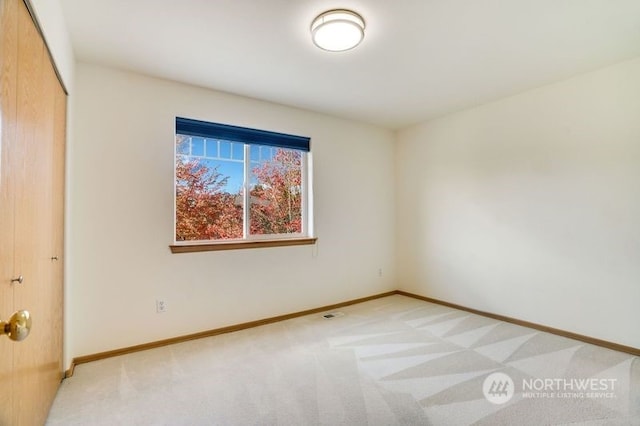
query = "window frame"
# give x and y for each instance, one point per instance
(248, 240)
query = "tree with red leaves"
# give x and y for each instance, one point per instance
(276, 206)
(203, 210)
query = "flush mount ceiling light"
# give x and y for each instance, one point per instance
(337, 30)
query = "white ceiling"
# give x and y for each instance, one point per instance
(419, 59)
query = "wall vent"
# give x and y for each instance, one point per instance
(332, 315)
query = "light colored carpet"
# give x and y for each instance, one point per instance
(389, 361)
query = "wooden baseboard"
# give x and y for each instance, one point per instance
(251, 324)
(563, 333)
(215, 332)
(69, 372)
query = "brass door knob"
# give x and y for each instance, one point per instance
(17, 327)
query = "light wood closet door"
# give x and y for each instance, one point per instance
(8, 73)
(34, 192)
(56, 253)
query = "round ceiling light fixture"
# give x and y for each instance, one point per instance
(337, 30)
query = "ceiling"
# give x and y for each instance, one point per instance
(420, 58)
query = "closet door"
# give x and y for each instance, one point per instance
(32, 191)
(56, 253)
(8, 73)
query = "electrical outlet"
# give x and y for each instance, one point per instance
(161, 306)
(380, 272)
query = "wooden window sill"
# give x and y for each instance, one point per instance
(235, 245)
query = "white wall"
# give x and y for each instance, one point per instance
(530, 206)
(122, 217)
(53, 25)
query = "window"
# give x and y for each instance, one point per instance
(240, 185)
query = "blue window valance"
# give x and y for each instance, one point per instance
(205, 129)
